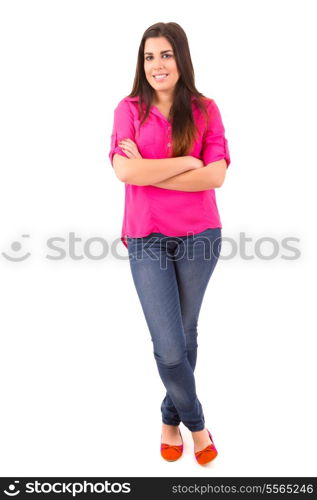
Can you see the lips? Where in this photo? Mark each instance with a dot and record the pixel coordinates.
(160, 76)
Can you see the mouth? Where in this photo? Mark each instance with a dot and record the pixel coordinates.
(160, 77)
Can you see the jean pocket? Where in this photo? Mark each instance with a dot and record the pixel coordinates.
(130, 241)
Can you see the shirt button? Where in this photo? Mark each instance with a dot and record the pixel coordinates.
(168, 144)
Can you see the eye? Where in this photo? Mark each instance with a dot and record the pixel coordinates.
(167, 55)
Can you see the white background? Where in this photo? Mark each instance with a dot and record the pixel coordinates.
(80, 389)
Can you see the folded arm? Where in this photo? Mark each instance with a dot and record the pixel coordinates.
(144, 172)
(208, 177)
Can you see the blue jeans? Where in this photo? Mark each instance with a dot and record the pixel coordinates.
(171, 274)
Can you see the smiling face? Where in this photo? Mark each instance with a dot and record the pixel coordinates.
(159, 59)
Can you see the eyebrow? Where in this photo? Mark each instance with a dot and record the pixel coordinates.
(162, 52)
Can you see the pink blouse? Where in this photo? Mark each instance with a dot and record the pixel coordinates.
(149, 208)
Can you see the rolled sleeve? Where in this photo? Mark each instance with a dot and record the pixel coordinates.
(215, 144)
(123, 128)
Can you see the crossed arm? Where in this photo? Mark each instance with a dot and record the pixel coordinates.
(181, 174)
(207, 177)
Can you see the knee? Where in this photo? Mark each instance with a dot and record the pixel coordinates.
(170, 359)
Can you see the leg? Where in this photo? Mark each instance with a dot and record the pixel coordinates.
(155, 280)
(194, 266)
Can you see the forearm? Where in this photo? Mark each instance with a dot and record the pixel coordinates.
(144, 172)
(200, 179)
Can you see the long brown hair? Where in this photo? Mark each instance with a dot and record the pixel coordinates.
(183, 125)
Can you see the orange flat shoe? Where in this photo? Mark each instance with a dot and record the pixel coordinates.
(206, 454)
(172, 452)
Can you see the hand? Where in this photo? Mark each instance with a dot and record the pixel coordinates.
(130, 148)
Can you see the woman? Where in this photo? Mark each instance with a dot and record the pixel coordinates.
(168, 147)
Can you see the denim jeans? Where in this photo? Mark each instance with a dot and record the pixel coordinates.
(171, 274)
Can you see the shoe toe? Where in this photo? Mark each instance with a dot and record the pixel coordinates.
(208, 453)
(170, 452)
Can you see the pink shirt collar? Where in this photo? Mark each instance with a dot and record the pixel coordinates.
(154, 109)
(136, 98)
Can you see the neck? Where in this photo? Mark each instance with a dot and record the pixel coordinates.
(163, 99)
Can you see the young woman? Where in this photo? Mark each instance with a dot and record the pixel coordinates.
(168, 146)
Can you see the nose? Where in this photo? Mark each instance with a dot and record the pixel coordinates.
(157, 68)
(157, 64)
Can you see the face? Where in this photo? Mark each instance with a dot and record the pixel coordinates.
(159, 58)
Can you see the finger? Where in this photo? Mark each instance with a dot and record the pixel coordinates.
(130, 142)
(126, 148)
(124, 144)
(127, 152)
(131, 148)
